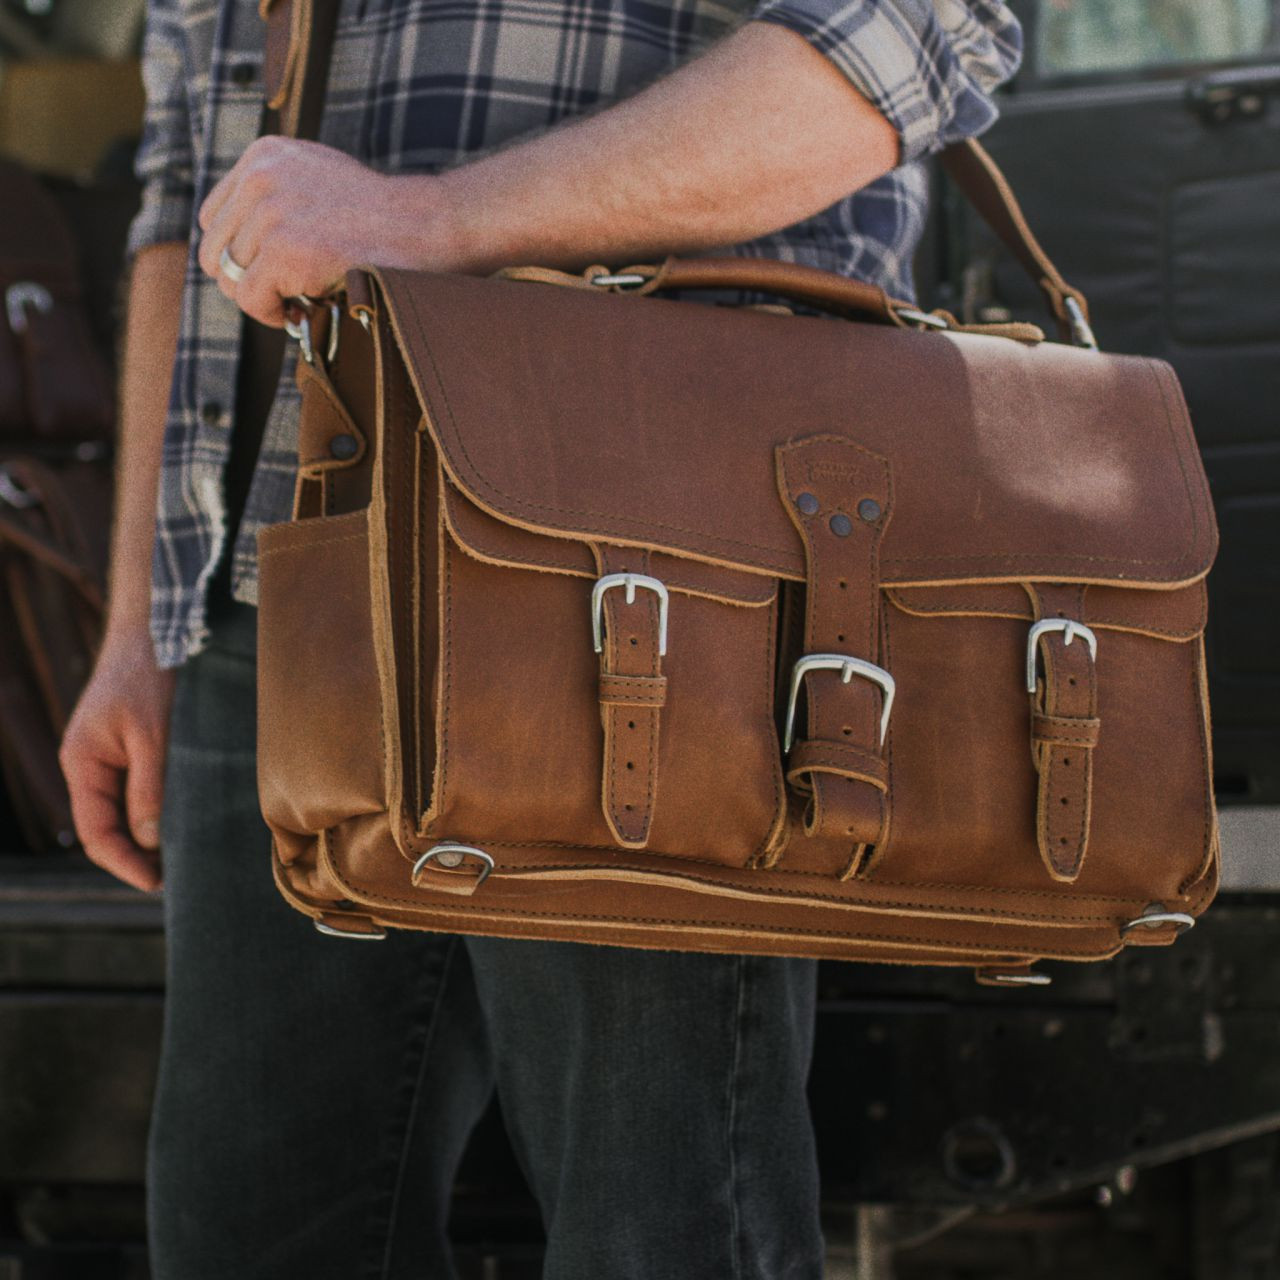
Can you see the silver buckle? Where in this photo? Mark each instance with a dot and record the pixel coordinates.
(1156, 917)
(848, 668)
(451, 855)
(300, 329)
(630, 581)
(18, 297)
(1070, 628)
(620, 280)
(1081, 333)
(910, 315)
(12, 494)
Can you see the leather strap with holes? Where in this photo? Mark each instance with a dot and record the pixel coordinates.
(1064, 732)
(838, 494)
(633, 691)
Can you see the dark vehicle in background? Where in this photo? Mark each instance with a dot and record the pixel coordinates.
(1124, 1121)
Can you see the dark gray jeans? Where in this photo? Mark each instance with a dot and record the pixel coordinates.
(315, 1094)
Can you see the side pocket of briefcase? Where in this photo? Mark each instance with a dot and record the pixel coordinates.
(319, 720)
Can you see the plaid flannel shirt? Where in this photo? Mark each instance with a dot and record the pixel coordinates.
(417, 85)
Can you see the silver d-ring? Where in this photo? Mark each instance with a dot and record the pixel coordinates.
(450, 856)
(1156, 917)
(229, 266)
(1018, 979)
(350, 934)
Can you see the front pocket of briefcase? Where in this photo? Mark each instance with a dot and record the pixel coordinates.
(521, 756)
(319, 753)
(967, 794)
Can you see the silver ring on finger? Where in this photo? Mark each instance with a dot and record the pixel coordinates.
(230, 267)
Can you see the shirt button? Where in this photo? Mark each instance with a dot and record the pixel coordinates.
(244, 73)
(211, 412)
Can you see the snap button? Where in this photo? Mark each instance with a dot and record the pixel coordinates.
(808, 504)
(869, 510)
(841, 525)
(343, 447)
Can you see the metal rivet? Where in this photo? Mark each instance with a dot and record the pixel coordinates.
(808, 504)
(869, 510)
(343, 447)
(841, 525)
(450, 858)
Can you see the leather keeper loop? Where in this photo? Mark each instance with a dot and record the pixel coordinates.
(637, 691)
(835, 758)
(1067, 731)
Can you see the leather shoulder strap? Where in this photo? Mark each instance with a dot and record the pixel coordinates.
(299, 45)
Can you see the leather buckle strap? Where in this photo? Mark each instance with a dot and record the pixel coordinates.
(1064, 725)
(629, 632)
(838, 495)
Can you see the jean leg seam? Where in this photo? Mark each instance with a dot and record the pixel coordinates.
(731, 1116)
(407, 1128)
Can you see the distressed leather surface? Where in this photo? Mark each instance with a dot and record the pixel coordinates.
(429, 674)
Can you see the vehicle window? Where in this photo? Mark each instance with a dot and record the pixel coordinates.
(1075, 37)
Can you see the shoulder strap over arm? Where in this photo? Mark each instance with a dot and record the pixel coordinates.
(296, 71)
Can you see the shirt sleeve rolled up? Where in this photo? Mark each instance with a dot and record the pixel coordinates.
(928, 66)
(164, 163)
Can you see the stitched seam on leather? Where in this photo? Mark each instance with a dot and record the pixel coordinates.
(777, 828)
(1010, 558)
(1180, 635)
(466, 905)
(1206, 838)
(290, 548)
(463, 906)
(485, 554)
(487, 484)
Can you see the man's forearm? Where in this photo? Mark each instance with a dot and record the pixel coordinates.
(150, 344)
(758, 133)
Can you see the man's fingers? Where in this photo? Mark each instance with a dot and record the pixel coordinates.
(258, 296)
(97, 808)
(144, 790)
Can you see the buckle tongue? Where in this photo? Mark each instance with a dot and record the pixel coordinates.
(1070, 628)
(629, 581)
(848, 668)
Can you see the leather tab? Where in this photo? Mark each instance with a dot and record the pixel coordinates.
(1064, 731)
(632, 693)
(839, 497)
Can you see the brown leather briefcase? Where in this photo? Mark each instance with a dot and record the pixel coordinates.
(629, 620)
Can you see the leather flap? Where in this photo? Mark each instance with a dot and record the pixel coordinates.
(1178, 613)
(498, 542)
(600, 417)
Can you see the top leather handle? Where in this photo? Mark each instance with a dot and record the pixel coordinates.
(978, 177)
(299, 42)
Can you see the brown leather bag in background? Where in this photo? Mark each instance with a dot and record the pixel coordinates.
(55, 387)
(54, 523)
(56, 415)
